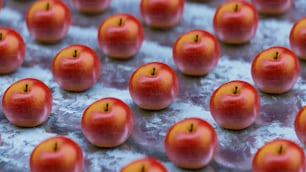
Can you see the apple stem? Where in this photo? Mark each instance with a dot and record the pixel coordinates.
(191, 128)
(55, 148)
(236, 9)
(281, 149)
(120, 21)
(236, 90)
(106, 107)
(48, 6)
(143, 168)
(26, 89)
(196, 39)
(276, 55)
(75, 53)
(153, 71)
(1, 36)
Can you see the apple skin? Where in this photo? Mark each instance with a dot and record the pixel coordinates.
(120, 36)
(235, 105)
(153, 86)
(12, 50)
(297, 38)
(274, 7)
(279, 155)
(146, 164)
(108, 122)
(27, 102)
(299, 125)
(196, 52)
(275, 70)
(91, 7)
(162, 14)
(235, 22)
(76, 68)
(58, 153)
(191, 143)
(48, 21)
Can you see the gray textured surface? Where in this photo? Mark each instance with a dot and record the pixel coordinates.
(236, 148)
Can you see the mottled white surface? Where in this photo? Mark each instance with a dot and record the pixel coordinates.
(236, 148)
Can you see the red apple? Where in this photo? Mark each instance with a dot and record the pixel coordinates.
(27, 102)
(161, 13)
(12, 50)
(300, 125)
(58, 153)
(191, 143)
(76, 67)
(196, 52)
(92, 6)
(235, 22)
(298, 38)
(279, 155)
(120, 36)
(235, 105)
(146, 164)
(275, 70)
(107, 122)
(153, 86)
(273, 7)
(48, 21)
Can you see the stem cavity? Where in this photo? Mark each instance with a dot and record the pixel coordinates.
(143, 168)
(120, 22)
(196, 39)
(281, 149)
(276, 55)
(236, 8)
(48, 6)
(55, 147)
(1, 36)
(106, 109)
(75, 53)
(26, 89)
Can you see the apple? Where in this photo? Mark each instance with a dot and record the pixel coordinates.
(107, 122)
(299, 125)
(153, 86)
(91, 7)
(58, 153)
(235, 22)
(235, 105)
(146, 164)
(191, 143)
(120, 36)
(161, 13)
(27, 102)
(12, 50)
(274, 7)
(297, 38)
(48, 21)
(279, 155)
(196, 52)
(275, 70)
(76, 68)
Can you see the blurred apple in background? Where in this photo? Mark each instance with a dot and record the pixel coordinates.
(12, 50)
(273, 7)
(297, 38)
(235, 105)
(76, 67)
(153, 86)
(275, 70)
(196, 52)
(120, 36)
(161, 14)
(107, 122)
(147, 164)
(91, 6)
(300, 125)
(27, 102)
(57, 153)
(48, 21)
(279, 155)
(235, 22)
(191, 143)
